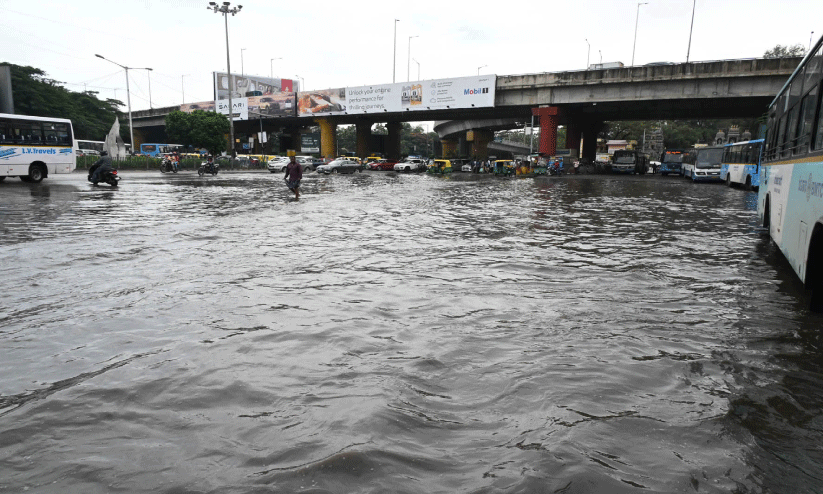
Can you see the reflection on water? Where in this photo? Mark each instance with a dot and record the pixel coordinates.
(400, 333)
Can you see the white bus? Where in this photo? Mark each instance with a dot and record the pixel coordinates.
(790, 200)
(34, 147)
(93, 148)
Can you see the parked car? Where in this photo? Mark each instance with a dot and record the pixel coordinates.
(279, 164)
(382, 164)
(340, 166)
(411, 165)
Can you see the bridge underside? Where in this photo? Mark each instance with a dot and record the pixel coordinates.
(580, 100)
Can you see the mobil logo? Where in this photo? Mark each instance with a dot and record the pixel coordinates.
(479, 90)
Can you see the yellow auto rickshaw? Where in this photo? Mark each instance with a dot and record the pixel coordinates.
(440, 167)
(505, 167)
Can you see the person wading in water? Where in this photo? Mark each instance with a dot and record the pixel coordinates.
(293, 175)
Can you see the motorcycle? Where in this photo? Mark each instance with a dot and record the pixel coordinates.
(168, 165)
(556, 168)
(110, 176)
(208, 167)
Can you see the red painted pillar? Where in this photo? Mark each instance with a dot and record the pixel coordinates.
(549, 118)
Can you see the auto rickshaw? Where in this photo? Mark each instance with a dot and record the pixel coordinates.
(524, 168)
(541, 166)
(505, 167)
(440, 167)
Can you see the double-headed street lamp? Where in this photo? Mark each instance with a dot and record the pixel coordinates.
(225, 10)
(394, 58)
(408, 59)
(128, 94)
(272, 65)
(637, 18)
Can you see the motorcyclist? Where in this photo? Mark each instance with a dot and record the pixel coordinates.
(102, 165)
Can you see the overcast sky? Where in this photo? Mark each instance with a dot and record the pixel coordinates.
(338, 44)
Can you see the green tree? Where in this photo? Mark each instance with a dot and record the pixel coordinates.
(780, 51)
(37, 95)
(200, 129)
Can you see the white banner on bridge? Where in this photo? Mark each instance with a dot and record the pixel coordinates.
(241, 108)
(437, 94)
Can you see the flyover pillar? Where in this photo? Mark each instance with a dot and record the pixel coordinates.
(590, 140)
(480, 140)
(549, 118)
(393, 141)
(573, 134)
(328, 137)
(363, 134)
(449, 148)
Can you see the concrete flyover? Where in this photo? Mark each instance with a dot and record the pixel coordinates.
(582, 100)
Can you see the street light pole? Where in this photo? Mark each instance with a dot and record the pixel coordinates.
(242, 70)
(588, 53)
(183, 85)
(689, 50)
(225, 10)
(418, 68)
(394, 60)
(148, 74)
(478, 68)
(128, 94)
(408, 60)
(272, 65)
(636, 19)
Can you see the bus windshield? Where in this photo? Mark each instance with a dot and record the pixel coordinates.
(670, 157)
(624, 159)
(709, 158)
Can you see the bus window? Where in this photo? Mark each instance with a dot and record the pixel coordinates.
(806, 120)
(818, 140)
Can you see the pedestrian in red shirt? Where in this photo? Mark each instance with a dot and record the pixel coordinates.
(293, 175)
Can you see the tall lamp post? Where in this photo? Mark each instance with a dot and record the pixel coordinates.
(272, 65)
(148, 73)
(588, 52)
(408, 59)
(128, 94)
(394, 60)
(242, 70)
(688, 51)
(637, 18)
(225, 10)
(418, 68)
(183, 85)
(478, 68)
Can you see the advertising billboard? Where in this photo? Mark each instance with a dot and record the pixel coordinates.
(240, 111)
(310, 143)
(250, 85)
(437, 94)
(202, 105)
(327, 101)
(272, 105)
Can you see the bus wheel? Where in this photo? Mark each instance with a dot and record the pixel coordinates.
(2, 178)
(36, 174)
(749, 182)
(728, 180)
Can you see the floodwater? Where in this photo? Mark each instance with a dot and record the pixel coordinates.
(401, 333)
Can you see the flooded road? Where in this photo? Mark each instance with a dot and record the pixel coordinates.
(401, 333)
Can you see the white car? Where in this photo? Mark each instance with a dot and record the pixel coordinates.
(410, 165)
(279, 164)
